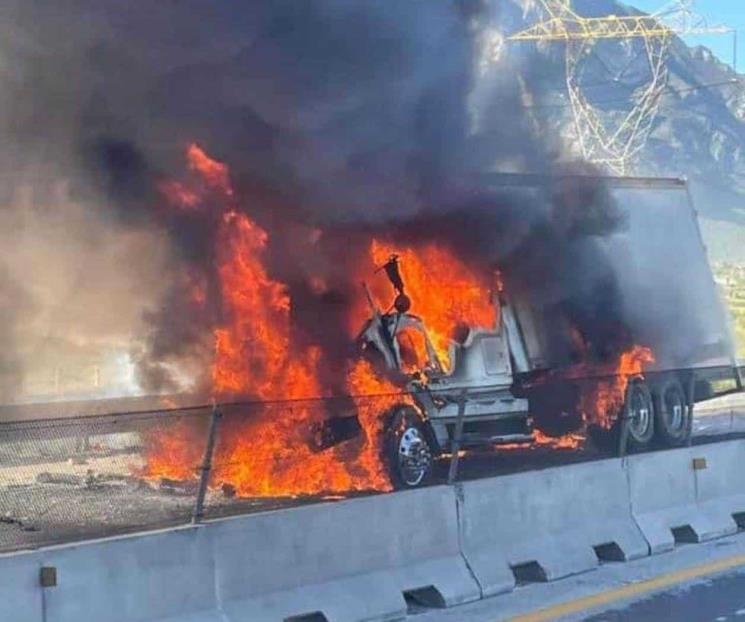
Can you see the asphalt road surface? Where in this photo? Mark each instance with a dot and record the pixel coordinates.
(719, 599)
(693, 583)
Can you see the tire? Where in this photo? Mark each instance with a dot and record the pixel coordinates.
(672, 414)
(409, 451)
(639, 409)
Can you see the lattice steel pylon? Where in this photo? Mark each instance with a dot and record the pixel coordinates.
(615, 148)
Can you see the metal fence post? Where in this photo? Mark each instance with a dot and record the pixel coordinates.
(455, 450)
(623, 437)
(206, 466)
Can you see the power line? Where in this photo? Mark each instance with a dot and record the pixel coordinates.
(614, 147)
(669, 90)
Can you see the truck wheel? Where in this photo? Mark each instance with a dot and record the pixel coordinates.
(408, 449)
(672, 414)
(640, 412)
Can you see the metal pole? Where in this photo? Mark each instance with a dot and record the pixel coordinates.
(455, 455)
(206, 466)
(623, 438)
(691, 403)
(734, 50)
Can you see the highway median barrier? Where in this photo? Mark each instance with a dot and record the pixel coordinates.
(362, 559)
(693, 494)
(156, 576)
(20, 595)
(545, 525)
(342, 562)
(352, 560)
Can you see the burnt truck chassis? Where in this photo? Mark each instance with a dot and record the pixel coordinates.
(495, 394)
(481, 401)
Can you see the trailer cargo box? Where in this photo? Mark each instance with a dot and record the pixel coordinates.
(656, 261)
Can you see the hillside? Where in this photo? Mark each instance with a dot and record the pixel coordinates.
(699, 132)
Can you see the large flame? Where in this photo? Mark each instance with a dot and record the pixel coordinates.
(176, 451)
(270, 448)
(214, 174)
(271, 452)
(252, 348)
(444, 291)
(603, 399)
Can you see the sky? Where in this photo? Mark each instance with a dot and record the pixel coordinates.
(718, 12)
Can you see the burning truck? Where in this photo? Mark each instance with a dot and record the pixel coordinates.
(548, 306)
(505, 382)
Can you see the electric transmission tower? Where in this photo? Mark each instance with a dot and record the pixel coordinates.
(616, 147)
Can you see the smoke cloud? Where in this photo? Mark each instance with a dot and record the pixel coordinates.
(349, 116)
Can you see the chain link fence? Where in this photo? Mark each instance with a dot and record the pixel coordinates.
(85, 477)
(89, 477)
(282, 454)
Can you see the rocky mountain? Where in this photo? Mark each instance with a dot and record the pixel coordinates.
(698, 133)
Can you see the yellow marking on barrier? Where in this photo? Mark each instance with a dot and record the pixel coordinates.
(634, 589)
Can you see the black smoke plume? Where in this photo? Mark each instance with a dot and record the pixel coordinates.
(350, 116)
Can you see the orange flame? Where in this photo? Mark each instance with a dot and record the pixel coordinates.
(443, 290)
(271, 448)
(270, 451)
(568, 441)
(603, 400)
(176, 452)
(215, 174)
(252, 348)
(179, 195)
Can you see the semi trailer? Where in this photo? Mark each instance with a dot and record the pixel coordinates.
(506, 381)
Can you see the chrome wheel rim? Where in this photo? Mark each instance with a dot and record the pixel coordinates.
(640, 416)
(414, 456)
(674, 410)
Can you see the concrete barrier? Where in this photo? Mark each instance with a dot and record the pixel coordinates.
(354, 560)
(159, 576)
(720, 481)
(674, 501)
(548, 524)
(156, 576)
(20, 596)
(348, 561)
